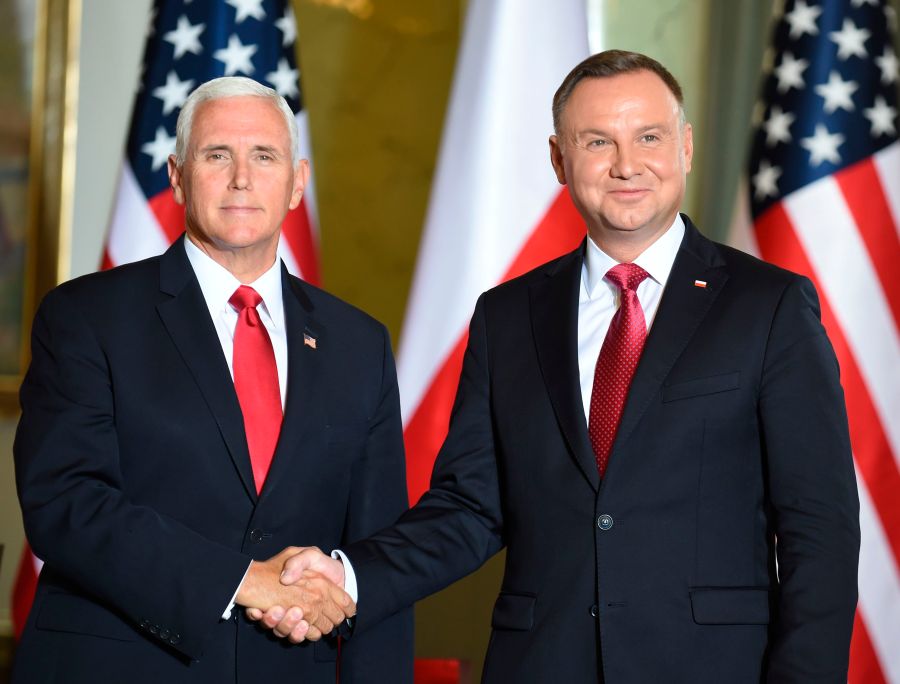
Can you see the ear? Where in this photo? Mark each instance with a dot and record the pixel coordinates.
(175, 180)
(301, 178)
(688, 146)
(556, 159)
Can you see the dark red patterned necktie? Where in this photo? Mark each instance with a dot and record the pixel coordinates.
(618, 358)
(256, 382)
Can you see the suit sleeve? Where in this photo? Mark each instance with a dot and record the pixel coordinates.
(150, 569)
(812, 489)
(377, 498)
(456, 525)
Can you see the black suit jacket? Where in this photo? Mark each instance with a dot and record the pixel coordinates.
(136, 488)
(734, 433)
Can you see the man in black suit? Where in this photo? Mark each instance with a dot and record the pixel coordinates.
(188, 417)
(693, 519)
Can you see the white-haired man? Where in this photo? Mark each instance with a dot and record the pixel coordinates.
(187, 418)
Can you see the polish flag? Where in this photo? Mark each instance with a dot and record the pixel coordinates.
(496, 209)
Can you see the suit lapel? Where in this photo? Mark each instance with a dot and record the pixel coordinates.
(186, 318)
(554, 317)
(682, 308)
(304, 415)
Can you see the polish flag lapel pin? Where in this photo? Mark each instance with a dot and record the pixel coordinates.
(309, 340)
(700, 283)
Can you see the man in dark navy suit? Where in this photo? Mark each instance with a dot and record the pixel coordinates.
(653, 426)
(187, 418)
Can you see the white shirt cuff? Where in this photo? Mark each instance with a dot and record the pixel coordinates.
(349, 575)
(227, 614)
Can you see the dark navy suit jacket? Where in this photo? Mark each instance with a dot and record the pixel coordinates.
(734, 435)
(136, 488)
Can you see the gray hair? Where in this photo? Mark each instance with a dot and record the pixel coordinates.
(230, 86)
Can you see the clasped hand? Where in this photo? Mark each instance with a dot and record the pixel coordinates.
(298, 594)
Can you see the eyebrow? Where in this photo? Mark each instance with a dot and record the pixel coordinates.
(270, 149)
(642, 129)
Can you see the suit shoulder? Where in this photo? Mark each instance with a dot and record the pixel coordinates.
(520, 284)
(102, 287)
(748, 267)
(331, 308)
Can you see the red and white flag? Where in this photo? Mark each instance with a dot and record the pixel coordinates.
(823, 199)
(496, 209)
(188, 43)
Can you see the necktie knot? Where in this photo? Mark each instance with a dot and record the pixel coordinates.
(243, 297)
(626, 276)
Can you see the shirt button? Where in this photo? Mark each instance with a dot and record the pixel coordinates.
(605, 522)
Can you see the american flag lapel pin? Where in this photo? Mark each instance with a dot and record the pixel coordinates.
(309, 340)
(700, 283)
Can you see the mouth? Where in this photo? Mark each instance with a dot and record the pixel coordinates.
(239, 210)
(627, 194)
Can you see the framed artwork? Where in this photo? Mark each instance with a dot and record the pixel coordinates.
(38, 86)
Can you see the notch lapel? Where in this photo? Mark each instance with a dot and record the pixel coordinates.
(554, 318)
(186, 318)
(304, 417)
(682, 308)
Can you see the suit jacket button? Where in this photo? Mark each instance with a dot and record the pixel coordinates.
(595, 611)
(256, 535)
(605, 522)
(145, 623)
(164, 635)
(154, 629)
(174, 639)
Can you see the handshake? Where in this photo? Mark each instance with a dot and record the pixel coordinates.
(298, 594)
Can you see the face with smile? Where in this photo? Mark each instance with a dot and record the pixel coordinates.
(238, 181)
(625, 155)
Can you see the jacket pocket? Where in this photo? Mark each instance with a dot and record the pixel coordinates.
(730, 605)
(697, 388)
(514, 611)
(69, 613)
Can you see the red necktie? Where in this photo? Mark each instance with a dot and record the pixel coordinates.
(256, 382)
(618, 358)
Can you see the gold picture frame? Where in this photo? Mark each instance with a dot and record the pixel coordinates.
(42, 254)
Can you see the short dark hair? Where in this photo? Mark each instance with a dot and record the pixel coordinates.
(611, 63)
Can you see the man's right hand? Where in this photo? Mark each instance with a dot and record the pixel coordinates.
(305, 608)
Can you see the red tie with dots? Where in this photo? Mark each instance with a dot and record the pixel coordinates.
(618, 358)
(256, 382)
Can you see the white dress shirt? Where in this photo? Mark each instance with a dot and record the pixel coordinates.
(598, 299)
(218, 284)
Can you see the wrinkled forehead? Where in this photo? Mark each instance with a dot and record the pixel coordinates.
(240, 114)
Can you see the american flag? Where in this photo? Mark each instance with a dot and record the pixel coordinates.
(824, 194)
(189, 42)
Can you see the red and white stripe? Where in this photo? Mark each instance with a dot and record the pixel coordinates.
(142, 227)
(496, 209)
(843, 231)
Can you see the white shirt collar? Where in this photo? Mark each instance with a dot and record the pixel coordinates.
(218, 284)
(657, 259)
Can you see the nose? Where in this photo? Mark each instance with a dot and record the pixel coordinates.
(240, 178)
(625, 164)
